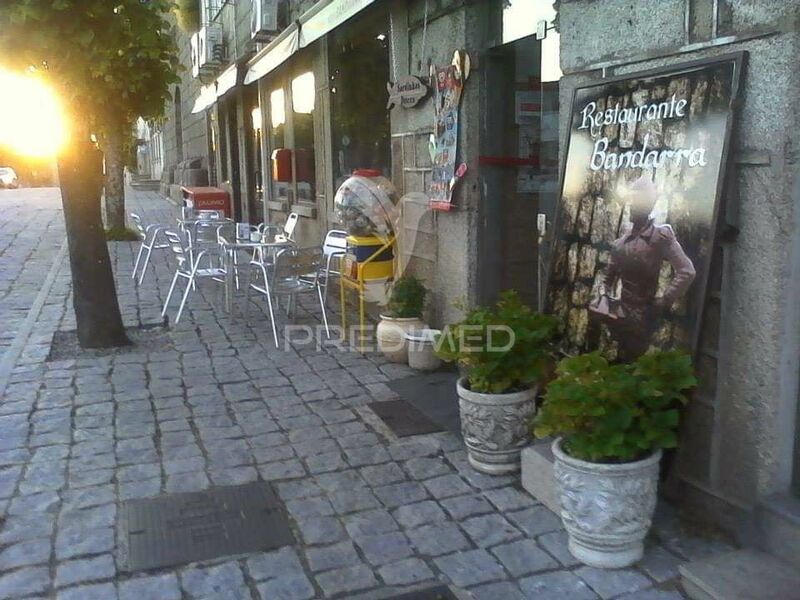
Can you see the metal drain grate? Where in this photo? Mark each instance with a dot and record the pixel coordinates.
(182, 528)
(434, 395)
(403, 419)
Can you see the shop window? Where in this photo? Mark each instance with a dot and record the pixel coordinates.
(281, 166)
(303, 100)
(359, 69)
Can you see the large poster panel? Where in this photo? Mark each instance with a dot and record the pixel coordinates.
(637, 216)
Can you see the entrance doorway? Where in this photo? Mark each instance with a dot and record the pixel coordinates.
(519, 166)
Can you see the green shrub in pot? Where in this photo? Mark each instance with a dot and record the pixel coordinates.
(403, 314)
(505, 351)
(612, 420)
(407, 298)
(519, 364)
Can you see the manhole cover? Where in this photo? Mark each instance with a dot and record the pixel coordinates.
(183, 528)
(403, 419)
(440, 592)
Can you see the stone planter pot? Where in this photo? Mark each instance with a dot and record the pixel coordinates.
(420, 350)
(391, 336)
(607, 509)
(495, 427)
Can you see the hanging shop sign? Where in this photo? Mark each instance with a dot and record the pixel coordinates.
(637, 216)
(406, 92)
(448, 83)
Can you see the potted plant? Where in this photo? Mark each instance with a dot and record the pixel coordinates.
(422, 349)
(505, 352)
(403, 314)
(612, 421)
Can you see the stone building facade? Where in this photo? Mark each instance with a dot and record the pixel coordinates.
(737, 464)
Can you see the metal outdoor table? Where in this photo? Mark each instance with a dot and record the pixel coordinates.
(231, 247)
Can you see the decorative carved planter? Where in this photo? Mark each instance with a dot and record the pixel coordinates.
(607, 509)
(391, 336)
(495, 427)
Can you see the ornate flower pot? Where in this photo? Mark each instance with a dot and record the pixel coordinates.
(607, 509)
(495, 427)
(391, 336)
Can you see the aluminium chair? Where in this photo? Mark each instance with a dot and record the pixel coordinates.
(287, 275)
(333, 248)
(149, 235)
(190, 267)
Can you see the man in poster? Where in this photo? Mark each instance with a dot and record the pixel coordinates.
(636, 260)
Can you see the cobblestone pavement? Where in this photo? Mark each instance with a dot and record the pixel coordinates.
(372, 515)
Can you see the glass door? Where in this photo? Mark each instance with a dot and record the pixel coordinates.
(519, 151)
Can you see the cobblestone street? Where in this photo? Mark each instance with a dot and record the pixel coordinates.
(372, 515)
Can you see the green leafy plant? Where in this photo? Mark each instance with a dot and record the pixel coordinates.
(407, 298)
(616, 412)
(503, 348)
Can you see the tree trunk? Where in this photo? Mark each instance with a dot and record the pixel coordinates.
(94, 293)
(115, 179)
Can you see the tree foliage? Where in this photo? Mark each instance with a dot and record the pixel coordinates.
(616, 413)
(109, 60)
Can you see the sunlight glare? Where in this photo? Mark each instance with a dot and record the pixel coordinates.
(31, 118)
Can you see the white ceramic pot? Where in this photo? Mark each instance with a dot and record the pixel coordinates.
(607, 509)
(391, 336)
(420, 350)
(495, 427)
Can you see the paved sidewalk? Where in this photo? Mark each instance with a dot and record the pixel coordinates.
(372, 515)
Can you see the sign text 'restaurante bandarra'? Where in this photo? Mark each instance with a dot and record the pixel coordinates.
(603, 160)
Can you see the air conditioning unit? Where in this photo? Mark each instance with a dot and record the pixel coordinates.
(208, 50)
(263, 20)
(211, 49)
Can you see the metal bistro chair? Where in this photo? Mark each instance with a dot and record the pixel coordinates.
(204, 235)
(333, 248)
(288, 275)
(290, 226)
(149, 235)
(230, 232)
(188, 267)
(281, 232)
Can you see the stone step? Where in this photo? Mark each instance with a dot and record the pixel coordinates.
(537, 474)
(145, 184)
(740, 575)
(778, 527)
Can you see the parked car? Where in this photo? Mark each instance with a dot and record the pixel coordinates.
(8, 178)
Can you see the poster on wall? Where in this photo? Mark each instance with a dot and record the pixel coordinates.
(640, 196)
(448, 83)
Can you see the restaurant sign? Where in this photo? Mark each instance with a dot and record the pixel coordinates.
(636, 221)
